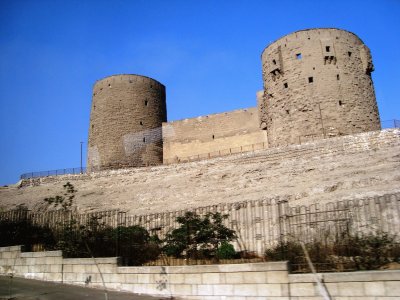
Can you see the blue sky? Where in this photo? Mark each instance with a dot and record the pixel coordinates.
(206, 53)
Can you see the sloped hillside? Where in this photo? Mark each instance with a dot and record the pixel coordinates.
(348, 167)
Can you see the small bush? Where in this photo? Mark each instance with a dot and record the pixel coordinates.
(366, 252)
(226, 251)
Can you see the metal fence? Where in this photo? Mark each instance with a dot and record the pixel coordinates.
(58, 172)
(260, 225)
(390, 124)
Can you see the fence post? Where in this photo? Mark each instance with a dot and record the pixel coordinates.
(281, 224)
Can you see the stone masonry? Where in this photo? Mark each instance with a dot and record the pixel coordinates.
(125, 123)
(317, 84)
(212, 135)
(254, 281)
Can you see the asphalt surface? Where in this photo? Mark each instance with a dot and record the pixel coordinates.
(29, 289)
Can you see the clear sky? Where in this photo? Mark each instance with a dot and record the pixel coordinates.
(206, 53)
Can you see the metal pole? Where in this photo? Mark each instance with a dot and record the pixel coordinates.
(81, 157)
(322, 122)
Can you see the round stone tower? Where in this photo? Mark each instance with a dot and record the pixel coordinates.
(317, 84)
(125, 122)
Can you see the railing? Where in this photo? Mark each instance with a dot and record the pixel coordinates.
(218, 153)
(259, 224)
(58, 172)
(390, 124)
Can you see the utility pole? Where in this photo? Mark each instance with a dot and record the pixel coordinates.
(81, 158)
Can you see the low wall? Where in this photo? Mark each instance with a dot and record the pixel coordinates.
(269, 280)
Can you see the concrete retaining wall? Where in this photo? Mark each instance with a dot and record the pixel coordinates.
(236, 281)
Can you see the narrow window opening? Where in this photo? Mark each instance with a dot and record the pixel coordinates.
(313, 68)
(340, 102)
(310, 79)
(349, 54)
(146, 102)
(109, 85)
(141, 123)
(298, 56)
(328, 48)
(274, 61)
(213, 136)
(144, 140)
(287, 111)
(92, 126)
(337, 77)
(308, 37)
(285, 85)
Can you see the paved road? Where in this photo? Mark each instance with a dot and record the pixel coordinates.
(29, 289)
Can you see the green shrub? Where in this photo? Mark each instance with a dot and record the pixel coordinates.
(364, 252)
(226, 251)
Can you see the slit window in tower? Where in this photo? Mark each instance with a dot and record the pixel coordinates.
(298, 56)
(328, 48)
(337, 77)
(349, 54)
(274, 61)
(213, 136)
(146, 102)
(340, 102)
(141, 123)
(144, 140)
(310, 79)
(285, 85)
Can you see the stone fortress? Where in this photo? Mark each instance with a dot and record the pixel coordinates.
(312, 152)
(313, 138)
(317, 84)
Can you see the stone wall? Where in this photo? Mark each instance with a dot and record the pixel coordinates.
(317, 83)
(125, 122)
(269, 280)
(213, 135)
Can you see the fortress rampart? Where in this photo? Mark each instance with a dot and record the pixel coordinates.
(317, 84)
(212, 133)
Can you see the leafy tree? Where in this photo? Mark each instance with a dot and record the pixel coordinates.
(198, 236)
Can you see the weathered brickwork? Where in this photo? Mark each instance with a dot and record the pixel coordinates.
(317, 83)
(212, 134)
(125, 122)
